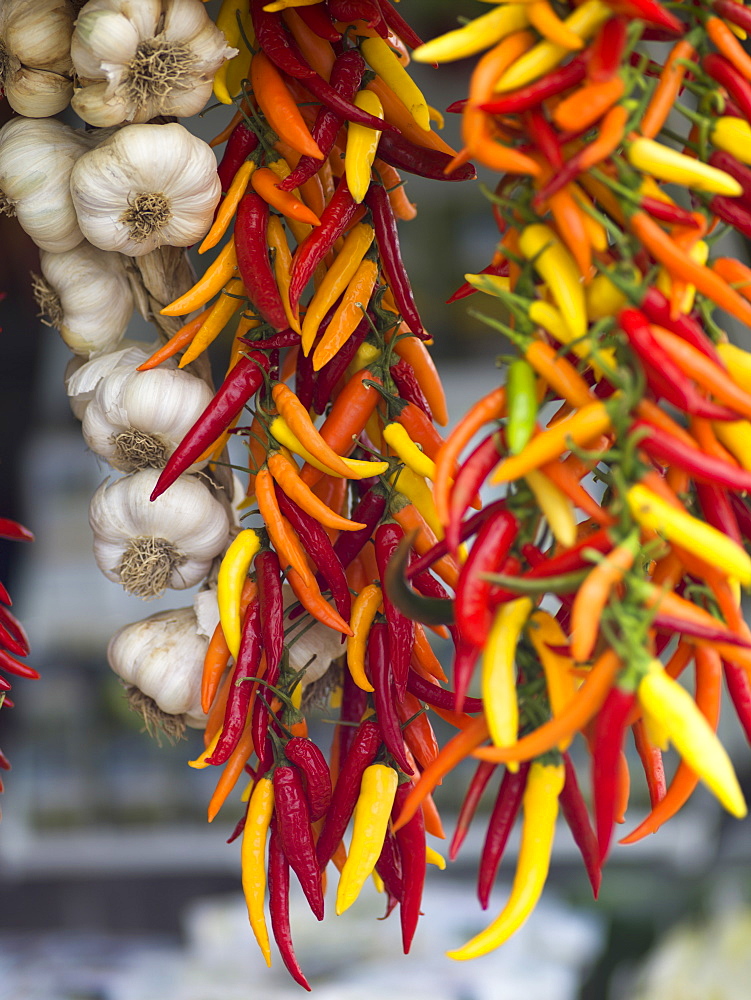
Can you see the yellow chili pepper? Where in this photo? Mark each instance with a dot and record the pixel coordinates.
(226, 21)
(432, 857)
(202, 760)
(669, 165)
(362, 146)
(691, 734)
(680, 527)
(558, 270)
(475, 36)
(229, 584)
(366, 354)
(370, 823)
(544, 631)
(417, 490)
(381, 58)
(396, 435)
(349, 313)
(555, 505)
(284, 4)
(280, 429)
(277, 240)
(738, 363)
(698, 252)
(499, 671)
(580, 428)
(214, 278)
(544, 57)
(338, 276)
(544, 19)
(734, 136)
(540, 811)
(231, 299)
(736, 436)
(252, 850)
(550, 319)
(364, 609)
(226, 211)
(603, 299)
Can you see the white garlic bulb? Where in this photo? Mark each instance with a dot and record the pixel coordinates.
(144, 187)
(161, 658)
(313, 646)
(36, 159)
(35, 63)
(86, 295)
(135, 61)
(82, 376)
(147, 546)
(137, 419)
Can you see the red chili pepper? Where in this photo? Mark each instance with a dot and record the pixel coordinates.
(4, 595)
(346, 76)
(532, 96)
(506, 809)
(287, 338)
(575, 813)
(12, 633)
(742, 514)
(472, 796)
(473, 472)
(242, 382)
(278, 883)
(398, 25)
(420, 429)
(242, 142)
(271, 604)
(304, 379)
(348, 11)
(318, 544)
(723, 71)
(365, 746)
(606, 51)
(389, 867)
(474, 615)
(14, 531)
(651, 758)
(674, 215)
(606, 758)
(739, 689)
(319, 21)
(253, 259)
(664, 388)
(715, 505)
(387, 239)
(467, 529)
(4, 685)
(402, 153)
(725, 161)
(387, 537)
(369, 511)
(736, 215)
(4, 762)
(380, 672)
(406, 382)
(261, 712)
(465, 290)
(327, 379)
(410, 840)
(335, 219)
(315, 771)
(734, 12)
(437, 696)
(651, 12)
(351, 712)
(545, 138)
(701, 466)
(241, 689)
(14, 666)
(293, 824)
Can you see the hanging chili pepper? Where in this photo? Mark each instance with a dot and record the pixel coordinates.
(474, 616)
(369, 511)
(242, 142)
(380, 671)
(438, 697)
(472, 796)
(258, 819)
(409, 388)
(410, 839)
(293, 823)
(575, 813)
(231, 578)
(607, 748)
(278, 881)
(387, 538)
(651, 758)
(502, 818)
(398, 25)
(307, 756)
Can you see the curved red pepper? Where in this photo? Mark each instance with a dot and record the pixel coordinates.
(507, 805)
(253, 259)
(319, 21)
(379, 666)
(473, 472)
(402, 153)
(606, 758)
(293, 824)
(437, 696)
(242, 142)
(575, 813)
(315, 771)
(474, 615)
(401, 630)
(410, 840)
(278, 883)
(478, 784)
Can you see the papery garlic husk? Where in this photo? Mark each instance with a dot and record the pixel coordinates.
(35, 62)
(144, 187)
(36, 160)
(82, 377)
(137, 419)
(312, 646)
(137, 61)
(160, 659)
(86, 295)
(149, 546)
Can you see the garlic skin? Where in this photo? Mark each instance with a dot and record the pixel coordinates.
(86, 295)
(137, 419)
(144, 187)
(162, 656)
(82, 377)
(36, 160)
(147, 546)
(135, 61)
(35, 63)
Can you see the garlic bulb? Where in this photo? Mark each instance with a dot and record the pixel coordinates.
(147, 546)
(36, 159)
(86, 295)
(144, 187)
(82, 377)
(137, 419)
(137, 61)
(313, 646)
(35, 64)
(160, 659)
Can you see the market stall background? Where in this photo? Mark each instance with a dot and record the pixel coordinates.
(111, 882)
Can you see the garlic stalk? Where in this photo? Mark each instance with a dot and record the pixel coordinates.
(144, 187)
(35, 63)
(160, 660)
(36, 160)
(149, 546)
(137, 61)
(86, 295)
(137, 419)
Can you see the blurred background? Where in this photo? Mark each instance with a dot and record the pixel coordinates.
(112, 884)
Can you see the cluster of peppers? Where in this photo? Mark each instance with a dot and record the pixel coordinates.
(612, 556)
(13, 639)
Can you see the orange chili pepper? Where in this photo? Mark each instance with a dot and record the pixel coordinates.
(286, 473)
(231, 299)
(543, 17)
(394, 184)
(415, 353)
(397, 114)
(664, 97)
(584, 107)
(593, 595)
(348, 315)
(607, 141)
(231, 772)
(214, 278)
(312, 600)
(410, 518)
(215, 718)
(424, 660)
(279, 107)
(226, 211)
(285, 540)
(569, 222)
(302, 427)
(565, 477)
(734, 273)
(265, 181)
(726, 42)
(176, 342)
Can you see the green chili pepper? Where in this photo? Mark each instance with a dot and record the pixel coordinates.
(521, 404)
